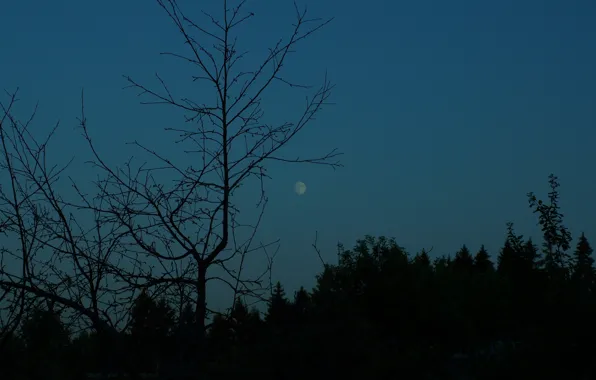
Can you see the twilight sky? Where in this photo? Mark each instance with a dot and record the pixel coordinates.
(448, 112)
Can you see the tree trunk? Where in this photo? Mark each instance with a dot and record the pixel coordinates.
(201, 313)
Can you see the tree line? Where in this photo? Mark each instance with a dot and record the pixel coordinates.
(377, 312)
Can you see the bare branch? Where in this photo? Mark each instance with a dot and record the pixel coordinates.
(179, 223)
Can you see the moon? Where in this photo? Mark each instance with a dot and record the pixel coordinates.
(300, 188)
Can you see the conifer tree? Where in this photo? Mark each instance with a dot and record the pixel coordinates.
(45, 338)
(277, 311)
(463, 260)
(482, 262)
(422, 260)
(151, 325)
(530, 256)
(301, 305)
(582, 269)
(506, 261)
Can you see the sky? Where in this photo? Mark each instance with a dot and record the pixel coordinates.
(447, 112)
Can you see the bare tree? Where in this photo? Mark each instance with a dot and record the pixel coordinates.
(186, 228)
(51, 252)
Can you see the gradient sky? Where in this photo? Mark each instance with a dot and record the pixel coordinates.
(448, 112)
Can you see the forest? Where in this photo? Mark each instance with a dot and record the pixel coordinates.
(378, 312)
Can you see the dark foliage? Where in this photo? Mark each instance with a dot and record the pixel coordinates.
(377, 313)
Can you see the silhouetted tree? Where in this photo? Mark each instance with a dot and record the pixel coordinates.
(12, 355)
(278, 307)
(85, 353)
(463, 260)
(220, 336)
(185, 336)
(482, 262)
(246, 323)
(506, 261)
(231, 146)
(81, 251)
(516, 241)
(150, 329)
(46, 340)
(301, 306)
(376, 313)
(530, 257)
(582, 269)
(442, 264)
(186, 321)
(557, 237)
(583, 311)
(422, 260)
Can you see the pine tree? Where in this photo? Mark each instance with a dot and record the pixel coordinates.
(150, 319)
(583, 281)
(463, 260)
(506, 261)
(151, 325)
(46, 339)
(187, 320)
(243, 322)
(482, 263)
(442, 264)
(582, 269)
(277, 311)
(186, 336)
(301, 305)
(529, 257)
(220, 335)
(421, 260)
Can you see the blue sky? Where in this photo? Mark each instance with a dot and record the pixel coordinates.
(448, 112)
